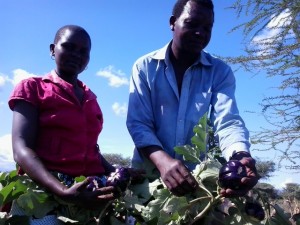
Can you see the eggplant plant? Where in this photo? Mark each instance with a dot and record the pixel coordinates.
(150, 202)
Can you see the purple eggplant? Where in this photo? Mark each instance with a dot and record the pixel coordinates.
(231, 173)
(255, 211)
(120, 178)
(96, 182)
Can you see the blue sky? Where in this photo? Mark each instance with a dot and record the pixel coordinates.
(121, 31)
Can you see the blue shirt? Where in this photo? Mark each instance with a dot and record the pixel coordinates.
(158, 115)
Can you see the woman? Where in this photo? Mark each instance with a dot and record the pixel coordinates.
(56, 123)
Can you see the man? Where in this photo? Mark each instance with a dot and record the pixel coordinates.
(172, 88)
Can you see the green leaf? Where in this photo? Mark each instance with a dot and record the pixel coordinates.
(37, 203)
(175, 205)
(141, 190)
(200, 138)
(211, 174)
(155, 185)
(189, 153)
(6, 193)
(80, 179)
(167, 218)
(192, 153)
(152, 210)
(19, 189)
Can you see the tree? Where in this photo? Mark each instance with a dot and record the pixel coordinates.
(291, 191)
(267, 191)
(265, 168)
(278, 55)
(117, 159)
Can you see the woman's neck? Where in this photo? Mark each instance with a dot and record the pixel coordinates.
(71, 79)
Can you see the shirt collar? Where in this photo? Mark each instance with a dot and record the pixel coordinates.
(54, 78)
(163, 54)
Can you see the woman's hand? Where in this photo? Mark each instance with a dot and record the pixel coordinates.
(81, 195)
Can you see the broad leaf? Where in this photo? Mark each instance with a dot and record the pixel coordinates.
(36, 203)
(189, 153)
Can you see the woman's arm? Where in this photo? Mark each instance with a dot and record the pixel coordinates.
(24, 136)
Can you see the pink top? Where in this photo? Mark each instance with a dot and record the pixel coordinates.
(68, 130)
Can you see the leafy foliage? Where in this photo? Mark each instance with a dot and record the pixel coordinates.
(157, 205)
(149, 203)
(291, 191)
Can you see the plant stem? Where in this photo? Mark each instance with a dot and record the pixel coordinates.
(208, 206)
(198, 199)
(103, 211)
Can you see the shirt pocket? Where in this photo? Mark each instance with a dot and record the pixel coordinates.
(202, 101)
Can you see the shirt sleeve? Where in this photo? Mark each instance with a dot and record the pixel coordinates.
(140, 119)
(229, 126)
(25, 90)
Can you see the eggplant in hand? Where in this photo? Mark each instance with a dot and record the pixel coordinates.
(120, 178)
(231, 174)
(96, 182)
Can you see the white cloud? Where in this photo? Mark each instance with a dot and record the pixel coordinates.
(286, 181)
(115, 77)
(273, 28)
(6, 155)
(120, 110)
(2, 80)
(19, 74)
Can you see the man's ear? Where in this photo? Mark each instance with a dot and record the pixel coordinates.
(172, 22)
(52, 49)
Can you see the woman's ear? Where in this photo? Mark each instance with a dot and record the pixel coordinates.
(172, 22)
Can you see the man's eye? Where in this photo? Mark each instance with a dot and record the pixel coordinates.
(84, 51)
(67, 46)
(208, 28)
(191, 24)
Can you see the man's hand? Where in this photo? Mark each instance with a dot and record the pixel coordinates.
(173, 172)
(247, 182)
(176, 176)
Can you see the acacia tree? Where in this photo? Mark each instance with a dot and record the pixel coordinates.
(117, 159)
(265, 168)
(272, 46)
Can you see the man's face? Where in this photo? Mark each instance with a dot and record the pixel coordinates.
(192, 30)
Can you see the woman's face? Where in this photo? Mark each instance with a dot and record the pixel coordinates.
(72, 52)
